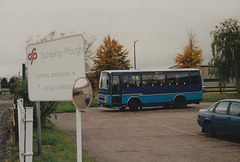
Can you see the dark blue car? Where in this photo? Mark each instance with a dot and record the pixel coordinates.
(222, 117)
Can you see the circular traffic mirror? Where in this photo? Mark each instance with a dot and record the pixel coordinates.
(82, 93)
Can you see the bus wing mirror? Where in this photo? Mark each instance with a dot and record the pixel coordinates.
(82, 93)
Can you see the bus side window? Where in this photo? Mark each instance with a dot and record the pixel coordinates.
(160, 79)
(171, 78)
(184, 78)
(195, 78)
(148, 79)
(131, 80)
(125, 81)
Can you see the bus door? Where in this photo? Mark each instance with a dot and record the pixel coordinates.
(116, 91)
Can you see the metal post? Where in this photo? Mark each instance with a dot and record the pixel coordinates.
(135, 66)
(79, 135)
(39, 127)
(23, 72)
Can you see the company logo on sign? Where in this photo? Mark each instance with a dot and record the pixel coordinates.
(32, 56)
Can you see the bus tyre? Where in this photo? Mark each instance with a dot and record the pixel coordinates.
(134, 104)
(179, 102)
(122, 108)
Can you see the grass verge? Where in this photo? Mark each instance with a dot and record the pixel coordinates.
(214, 97)
(67, 106)
(56, 147)
(1, 95)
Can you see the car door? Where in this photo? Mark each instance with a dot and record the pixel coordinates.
(219, 118)
(233, 119)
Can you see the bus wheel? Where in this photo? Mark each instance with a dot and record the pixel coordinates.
(122, 108)
(179, 102)
(134, 104)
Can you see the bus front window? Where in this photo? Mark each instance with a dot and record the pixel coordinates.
(104, 81)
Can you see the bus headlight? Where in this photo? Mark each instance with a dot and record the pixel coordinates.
(106, 99)
(103, 99)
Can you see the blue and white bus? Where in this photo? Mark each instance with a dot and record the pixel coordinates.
(136, 89)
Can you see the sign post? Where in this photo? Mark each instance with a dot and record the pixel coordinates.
(53, 66)
(39, 130)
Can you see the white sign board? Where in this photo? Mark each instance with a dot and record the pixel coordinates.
(53, 66)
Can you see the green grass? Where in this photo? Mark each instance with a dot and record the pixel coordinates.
(213, 97)
(1, 95)
(67, 106)
(94, 102)
(56, 147)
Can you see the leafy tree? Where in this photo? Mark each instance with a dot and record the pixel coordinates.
(110, 56)
(191, 56)
(4, 83)
(12, 83)
(12, 80)
(225, 64)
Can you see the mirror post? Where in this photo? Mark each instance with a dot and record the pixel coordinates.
(79, 135)
(81, 97)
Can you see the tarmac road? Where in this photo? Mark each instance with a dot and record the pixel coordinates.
(153, 134)
(4, 131)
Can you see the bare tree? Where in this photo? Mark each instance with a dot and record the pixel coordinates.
(88, 44)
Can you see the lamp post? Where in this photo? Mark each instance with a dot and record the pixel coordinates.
(135, 54)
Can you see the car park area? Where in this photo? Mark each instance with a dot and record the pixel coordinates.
(152, 134)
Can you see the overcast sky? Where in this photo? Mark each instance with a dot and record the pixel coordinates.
(160, 26)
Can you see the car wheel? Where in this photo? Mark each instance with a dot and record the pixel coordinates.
(179, 102)
(209, 130)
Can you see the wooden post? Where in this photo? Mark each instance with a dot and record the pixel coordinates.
(16, 124)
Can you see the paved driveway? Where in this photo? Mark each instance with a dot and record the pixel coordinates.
(4, 131)
(154, 134)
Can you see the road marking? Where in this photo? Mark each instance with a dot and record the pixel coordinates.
(178, 130)
(188, 118)
(163, 125)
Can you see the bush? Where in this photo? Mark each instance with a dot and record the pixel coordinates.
(20, 90)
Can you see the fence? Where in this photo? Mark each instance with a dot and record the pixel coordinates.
(220, 89)
(25, 128)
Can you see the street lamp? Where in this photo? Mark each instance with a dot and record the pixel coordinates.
(135, 54)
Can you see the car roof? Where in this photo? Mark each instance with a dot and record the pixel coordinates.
(231, 100)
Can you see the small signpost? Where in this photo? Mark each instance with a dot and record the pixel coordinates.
(53, 67)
